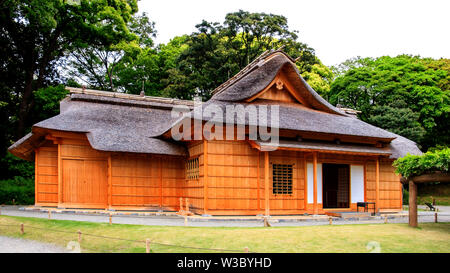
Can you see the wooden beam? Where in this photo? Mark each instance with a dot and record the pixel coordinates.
(205, 176)
(377, 185)
(315, 205)
(266, 183)
(412, 204)
(308, 150)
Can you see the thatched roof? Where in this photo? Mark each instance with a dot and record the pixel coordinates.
(260, 73)
(300, 118)
(130, 123)
(110, 123)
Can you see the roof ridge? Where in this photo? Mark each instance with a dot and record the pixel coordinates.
(249, 68)
(100, 93)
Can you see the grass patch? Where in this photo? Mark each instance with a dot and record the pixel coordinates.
(430, 237)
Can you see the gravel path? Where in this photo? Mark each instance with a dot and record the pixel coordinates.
(18, 245)
(444, 216)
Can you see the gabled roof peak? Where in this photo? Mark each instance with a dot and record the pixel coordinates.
(260, 73)
(257, 62)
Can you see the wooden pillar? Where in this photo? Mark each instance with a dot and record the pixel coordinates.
(377, 185)
(266, 183)
(60, 180)
(305, 168)
(109, 182)
(412, 204)
(315, 207)
(36, 175)
(205, 176)
(365, 181)
(160, 183)
(258, 182)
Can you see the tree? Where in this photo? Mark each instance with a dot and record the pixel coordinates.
(96, 65)
(399, 94)
(35, 34)
(217, 51)
(149, 69)
(319, 77)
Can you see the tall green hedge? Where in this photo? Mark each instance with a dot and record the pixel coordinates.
(18, 190)
(429, 162)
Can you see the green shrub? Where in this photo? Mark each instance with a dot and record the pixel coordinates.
(11, 166)
(405, 197)
(431, 161)
(19, 189)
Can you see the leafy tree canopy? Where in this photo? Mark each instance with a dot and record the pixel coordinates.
(35, 34)
(407, 95)
(431, 161)
(217, 51)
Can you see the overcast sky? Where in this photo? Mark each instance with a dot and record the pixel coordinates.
(337, 30)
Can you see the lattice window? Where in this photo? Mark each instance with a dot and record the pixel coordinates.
(192, 169)
(282, 178)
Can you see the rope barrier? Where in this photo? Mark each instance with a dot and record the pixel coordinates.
(128, 240)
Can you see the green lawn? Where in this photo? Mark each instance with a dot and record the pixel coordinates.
(345, 238)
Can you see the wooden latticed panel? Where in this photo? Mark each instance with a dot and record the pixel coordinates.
(282, 178)
(192, 169)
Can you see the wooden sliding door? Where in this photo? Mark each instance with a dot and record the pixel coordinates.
(85, 183)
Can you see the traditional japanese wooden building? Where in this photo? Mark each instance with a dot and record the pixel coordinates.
(110, 150)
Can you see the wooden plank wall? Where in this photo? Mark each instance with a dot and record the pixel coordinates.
(390, 186)
(135, 181)
(286, 204)
(235, 186)
(232, 178)
(84, 174)
(146, 181)
(173, 177)
(194, 189)
(46, 175)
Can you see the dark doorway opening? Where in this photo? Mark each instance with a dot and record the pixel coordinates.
(336, 185)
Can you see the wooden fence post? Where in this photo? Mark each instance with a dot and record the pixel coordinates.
(246, 249)
(435, 217)
(330, 219)
(22, 231)
(110, 219)
(147, 245)
(79, 236)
